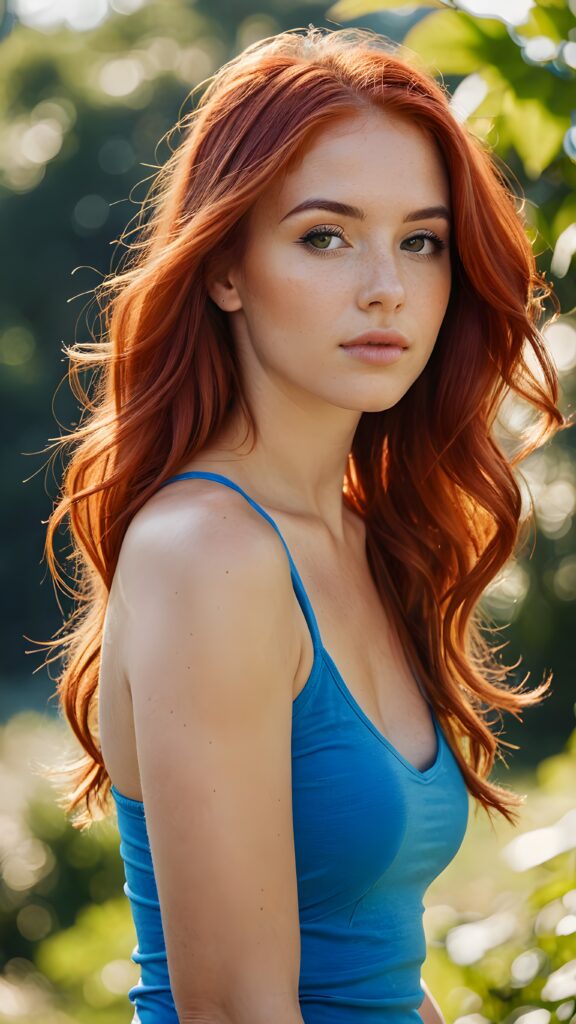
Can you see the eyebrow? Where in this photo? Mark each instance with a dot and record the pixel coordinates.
(345, 210)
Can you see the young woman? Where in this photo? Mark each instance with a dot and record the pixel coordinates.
(287, 501)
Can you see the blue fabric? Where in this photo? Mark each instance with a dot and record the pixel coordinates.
(371, 832)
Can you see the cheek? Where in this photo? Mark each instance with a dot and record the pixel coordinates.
(290, 292)
(431, 295)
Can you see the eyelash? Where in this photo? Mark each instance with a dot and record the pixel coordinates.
(326, 229)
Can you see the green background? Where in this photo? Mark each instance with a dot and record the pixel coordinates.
(84, 110)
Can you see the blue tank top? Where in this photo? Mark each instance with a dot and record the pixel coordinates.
(371, 832)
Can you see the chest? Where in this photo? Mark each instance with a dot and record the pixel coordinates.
(363, 644)
(365, 823)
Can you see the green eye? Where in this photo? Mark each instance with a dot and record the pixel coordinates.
(437, 242)
(323, 235)
(323, 232)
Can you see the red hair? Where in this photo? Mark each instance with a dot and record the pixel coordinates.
(440, 502)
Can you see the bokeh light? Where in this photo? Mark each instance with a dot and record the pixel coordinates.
(542, 844)
(80, 15)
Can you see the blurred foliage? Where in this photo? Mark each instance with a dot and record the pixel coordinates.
(513, 959)
(83, 117)
(496, 945)
(66, 933)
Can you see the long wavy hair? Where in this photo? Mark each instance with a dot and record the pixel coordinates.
(438, 496)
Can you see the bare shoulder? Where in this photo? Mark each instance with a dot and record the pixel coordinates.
(196, 518)
(196, 553)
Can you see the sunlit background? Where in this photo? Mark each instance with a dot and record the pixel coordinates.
(89, 90)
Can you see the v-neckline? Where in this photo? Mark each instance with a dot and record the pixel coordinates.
(427, 773)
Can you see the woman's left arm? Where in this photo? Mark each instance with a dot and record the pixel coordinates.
(429, 1011)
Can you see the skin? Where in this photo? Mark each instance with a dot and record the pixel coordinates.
(292, 305)
(430, 1010)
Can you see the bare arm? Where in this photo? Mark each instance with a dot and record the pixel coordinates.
(211, 650)
(430, 1010)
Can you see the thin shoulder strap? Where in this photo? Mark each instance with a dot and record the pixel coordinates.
(299, 587)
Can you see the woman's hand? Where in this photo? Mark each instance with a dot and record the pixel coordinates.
(429, 1011)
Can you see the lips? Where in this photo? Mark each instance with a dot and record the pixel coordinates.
(382, 337)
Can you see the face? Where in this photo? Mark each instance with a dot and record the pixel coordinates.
(312, 280)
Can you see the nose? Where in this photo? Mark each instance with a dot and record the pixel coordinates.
(381, 284)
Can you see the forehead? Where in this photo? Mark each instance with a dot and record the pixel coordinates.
(374, 159)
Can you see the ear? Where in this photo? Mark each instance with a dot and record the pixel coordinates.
(224, 293)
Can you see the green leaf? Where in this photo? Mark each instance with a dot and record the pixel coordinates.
(450, 42)
(559, 11)
(540, 23)
(536, 133)
(345, 10)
